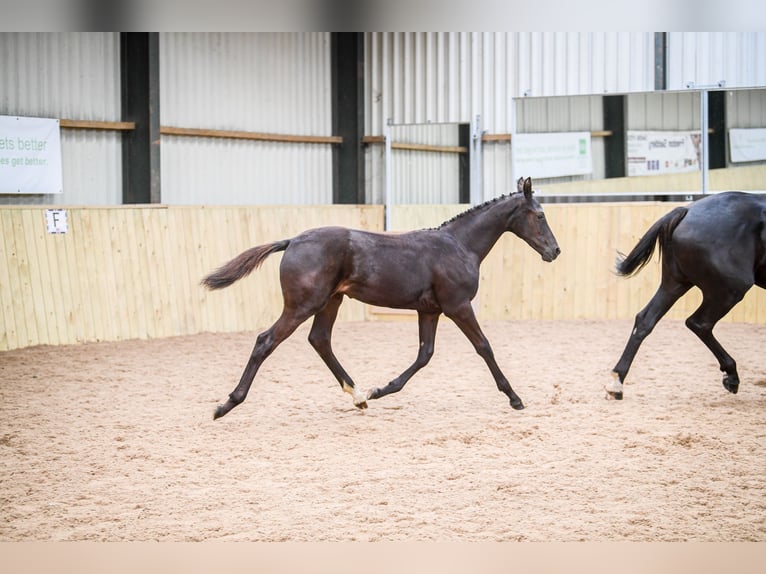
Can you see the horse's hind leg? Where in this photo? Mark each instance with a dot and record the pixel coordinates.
(320, 338)
(264, 346)
(647, 318)
(427, 323)
(465, 319)
(702, 321)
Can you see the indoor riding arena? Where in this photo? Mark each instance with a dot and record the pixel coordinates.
(114, 356)
(113, 439)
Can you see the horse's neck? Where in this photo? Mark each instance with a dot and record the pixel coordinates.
(479, 230)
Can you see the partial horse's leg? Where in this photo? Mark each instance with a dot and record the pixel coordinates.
(320, 338)
(647, 318)
(465, 319)
(264, 346)
(427, 323)
(713, 307)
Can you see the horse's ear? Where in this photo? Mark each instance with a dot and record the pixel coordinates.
(527, 188)
(520, 185)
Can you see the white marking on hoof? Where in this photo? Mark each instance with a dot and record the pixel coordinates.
(359, 397)
(613, 387)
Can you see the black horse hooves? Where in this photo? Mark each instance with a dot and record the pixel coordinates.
(518, 405)
(731, 383)
(221, 410)
(616, 395)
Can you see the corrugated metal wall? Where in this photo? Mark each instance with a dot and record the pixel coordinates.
(746, 108)
(426, 176)
(456, 76)
(68, 76)
(663, 111)
(258, 82)
(705, 58)
(281, 82)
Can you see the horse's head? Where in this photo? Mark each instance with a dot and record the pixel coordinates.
(529, 223)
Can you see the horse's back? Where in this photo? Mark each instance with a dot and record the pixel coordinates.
(723, 234)
(723, 217)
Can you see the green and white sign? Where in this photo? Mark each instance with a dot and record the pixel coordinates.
(30, 155)
(552, 154)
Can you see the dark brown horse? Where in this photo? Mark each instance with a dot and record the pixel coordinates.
(717, 244)
(432, 271)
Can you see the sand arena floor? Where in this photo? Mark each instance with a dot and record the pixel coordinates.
(116, 442)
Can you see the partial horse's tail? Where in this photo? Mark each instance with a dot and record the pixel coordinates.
(242, 265)
(633, 262)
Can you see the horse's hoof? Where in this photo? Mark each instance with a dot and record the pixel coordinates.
(373, 393)
(517, 405)
(614, 388)
(361, 406)
(221, 410)
(731, 383)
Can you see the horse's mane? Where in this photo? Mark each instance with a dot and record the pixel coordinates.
(477, 208)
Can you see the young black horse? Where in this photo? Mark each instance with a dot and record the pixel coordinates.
(432, 271)
(718, 244)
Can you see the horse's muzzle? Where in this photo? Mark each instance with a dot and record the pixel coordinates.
(551, 254)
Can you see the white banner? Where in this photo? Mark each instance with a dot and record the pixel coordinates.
(552, 154)
(747, 144)
(655, 153)
(30, 155)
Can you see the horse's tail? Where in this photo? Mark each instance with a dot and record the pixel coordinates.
(660, 232)
(242, 265)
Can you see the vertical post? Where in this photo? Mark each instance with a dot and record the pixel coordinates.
(513, 145)
(660, 60)
(614, 146)
(387, 187)
(140, 90)
(465, 171)
(704, 139)
(476, 169)
(347, 87)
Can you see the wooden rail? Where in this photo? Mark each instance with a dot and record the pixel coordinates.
(97, 125)
(201, 132)
(487, 138)
(245, 135)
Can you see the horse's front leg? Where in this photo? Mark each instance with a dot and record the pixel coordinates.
(427, 323)
(465, 319)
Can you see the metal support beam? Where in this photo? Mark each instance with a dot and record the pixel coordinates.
(347, 55)
(140, 71)
(614, 146)
(660, 61)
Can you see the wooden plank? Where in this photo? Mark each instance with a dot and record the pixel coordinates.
(20, 290)
(9, 338)
(37, 311)
(487, 138)
(52, 280)
(60, 248)
(94, 287)
(157, 288)
(173, 247)
(121, 269)
(245, 135)
(97, 125)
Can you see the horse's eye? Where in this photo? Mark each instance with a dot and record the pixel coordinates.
(540, 216)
